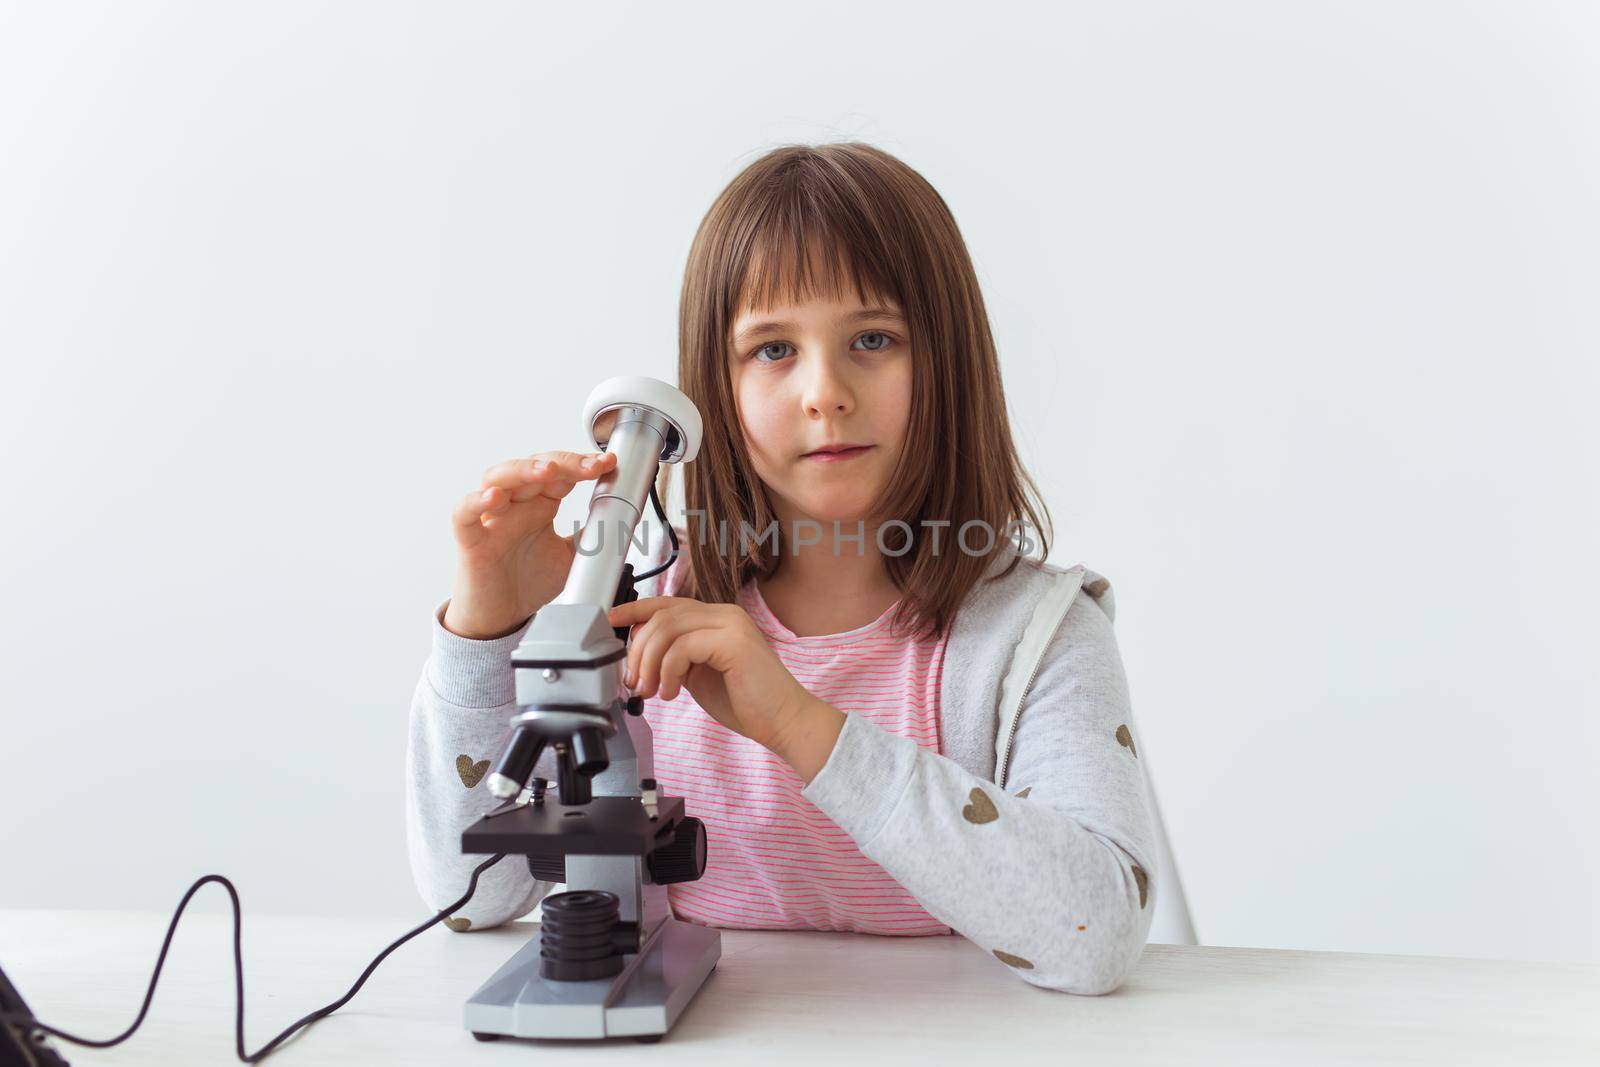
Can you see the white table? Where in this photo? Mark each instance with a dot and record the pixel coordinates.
(807, 998)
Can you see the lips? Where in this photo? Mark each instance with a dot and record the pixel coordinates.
(838, 454)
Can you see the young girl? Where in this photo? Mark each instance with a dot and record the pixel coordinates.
(826, 663)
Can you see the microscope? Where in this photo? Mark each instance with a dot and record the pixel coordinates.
(610, 959)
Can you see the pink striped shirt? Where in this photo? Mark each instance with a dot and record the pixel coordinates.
(774, 860)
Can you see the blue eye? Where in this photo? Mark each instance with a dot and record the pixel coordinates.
(885, 341)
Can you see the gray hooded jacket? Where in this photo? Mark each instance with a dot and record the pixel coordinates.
(1028, 833)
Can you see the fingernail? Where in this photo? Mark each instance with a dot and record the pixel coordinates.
(486, 493)
(588, 463)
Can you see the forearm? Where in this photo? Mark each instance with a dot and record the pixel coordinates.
(1061, 905)
(447, 755)
(460, 712)
(811, 738)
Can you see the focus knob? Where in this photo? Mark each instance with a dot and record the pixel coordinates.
(684, 859)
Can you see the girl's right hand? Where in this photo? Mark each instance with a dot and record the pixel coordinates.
(510, 561)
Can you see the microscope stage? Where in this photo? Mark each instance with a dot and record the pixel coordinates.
(606, 826)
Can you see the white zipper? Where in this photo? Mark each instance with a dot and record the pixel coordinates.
(1016, 717)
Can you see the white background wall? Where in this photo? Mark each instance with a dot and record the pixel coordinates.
(1296, 304)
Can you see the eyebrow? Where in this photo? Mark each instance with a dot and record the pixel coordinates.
(757, 329)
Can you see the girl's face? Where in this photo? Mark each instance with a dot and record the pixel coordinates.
(823, 373)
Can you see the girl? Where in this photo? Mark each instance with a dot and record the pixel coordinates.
(826, 664)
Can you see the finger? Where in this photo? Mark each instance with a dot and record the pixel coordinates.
(554, 478)
(543, 468)
(637, 611)
(656, 637)
(468, 514)
(696, 646)
(663, 610)
(638, 636)
(547, 487)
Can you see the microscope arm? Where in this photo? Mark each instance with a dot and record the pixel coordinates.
(567, 671)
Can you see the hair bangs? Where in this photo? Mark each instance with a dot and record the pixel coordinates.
(806, 246)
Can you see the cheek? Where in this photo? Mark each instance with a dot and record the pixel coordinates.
(893, 402)
(761, 422)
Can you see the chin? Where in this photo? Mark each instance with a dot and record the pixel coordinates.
(827, 510)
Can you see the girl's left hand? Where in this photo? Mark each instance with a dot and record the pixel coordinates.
(718, 654)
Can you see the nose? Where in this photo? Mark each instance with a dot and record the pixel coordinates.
(825, 392)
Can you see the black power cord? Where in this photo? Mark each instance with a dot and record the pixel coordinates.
(28, 1027)
(672, 535)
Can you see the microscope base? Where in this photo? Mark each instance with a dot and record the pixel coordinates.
(643, 1001)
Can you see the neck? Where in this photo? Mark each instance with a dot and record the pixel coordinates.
(827, 587)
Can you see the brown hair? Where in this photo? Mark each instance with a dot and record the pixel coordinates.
(868, 218)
